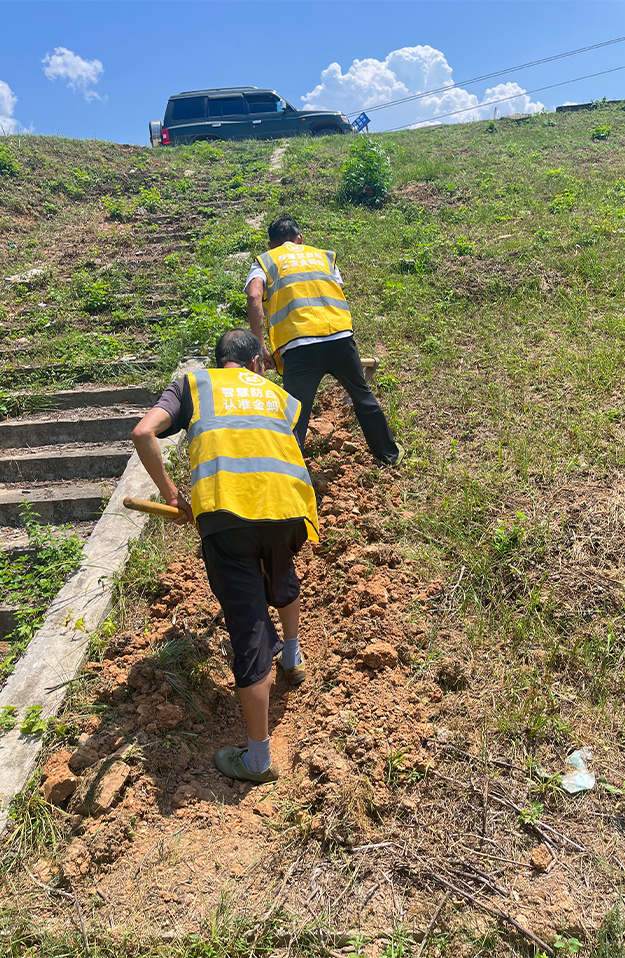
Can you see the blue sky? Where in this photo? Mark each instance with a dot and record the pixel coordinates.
(104, 68)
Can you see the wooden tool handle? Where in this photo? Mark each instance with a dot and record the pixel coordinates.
(153, 508)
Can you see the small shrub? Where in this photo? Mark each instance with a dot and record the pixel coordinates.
(150, 199)
(366, 173)
(8, 164)
(117, 208)
(98, 297)
(601, 132)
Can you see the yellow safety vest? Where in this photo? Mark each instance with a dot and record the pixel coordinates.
(301, 296)
(244, 456)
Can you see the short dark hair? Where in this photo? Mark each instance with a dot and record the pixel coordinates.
(283, 230)
(237, 346)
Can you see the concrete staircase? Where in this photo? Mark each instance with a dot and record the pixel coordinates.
(65, 462)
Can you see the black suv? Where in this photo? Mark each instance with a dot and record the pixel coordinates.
(239, 113)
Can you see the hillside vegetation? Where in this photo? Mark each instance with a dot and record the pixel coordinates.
(491, 285)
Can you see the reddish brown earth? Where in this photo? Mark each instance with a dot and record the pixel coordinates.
(392, 795)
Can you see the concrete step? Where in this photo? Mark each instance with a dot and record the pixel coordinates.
(29, 432)
(47, 464)
(83, 372)
(170, 236)
(83, 396)
(55, 503)
(15, 542)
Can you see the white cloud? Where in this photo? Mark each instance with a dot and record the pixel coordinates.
(8, 123)
(80, 75)
(407, 72)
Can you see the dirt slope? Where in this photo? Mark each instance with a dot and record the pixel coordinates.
(391, 796)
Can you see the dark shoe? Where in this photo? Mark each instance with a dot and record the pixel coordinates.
(399, 458)
(229, 761)
(297, 674)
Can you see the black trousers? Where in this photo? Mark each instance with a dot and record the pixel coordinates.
(304, 368)
(250, 567)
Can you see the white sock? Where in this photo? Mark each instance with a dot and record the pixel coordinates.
(291, 654)
(258, 757)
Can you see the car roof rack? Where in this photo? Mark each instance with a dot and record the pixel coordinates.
(219, 89)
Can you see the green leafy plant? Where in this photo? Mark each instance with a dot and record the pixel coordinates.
(33, 723)
(117, 208)
(530, 813)
(543, 236)
(562, 203)
(98, 296)
(566, 945)
(509, 535)
(601, 132)
(387, 383)
(430, 345)
(150, 198)
(366, 174)
(8, 164)
(463, 246)
(8, 719)
(400, 945)
(35, 578)
(424, 258)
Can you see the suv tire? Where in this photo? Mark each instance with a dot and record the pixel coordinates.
(327, 131)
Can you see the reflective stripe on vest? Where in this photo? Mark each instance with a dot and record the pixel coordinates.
(244, 456)
(302, 297)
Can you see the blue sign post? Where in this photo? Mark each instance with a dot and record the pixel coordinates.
(361, 121)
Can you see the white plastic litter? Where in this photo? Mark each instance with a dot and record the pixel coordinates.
(578, 778)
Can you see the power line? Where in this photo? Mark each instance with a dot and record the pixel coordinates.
(489, 76)
(503, 99)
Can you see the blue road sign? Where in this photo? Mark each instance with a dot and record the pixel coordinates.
(361, 121)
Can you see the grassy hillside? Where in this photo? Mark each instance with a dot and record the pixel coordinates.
(491, 285)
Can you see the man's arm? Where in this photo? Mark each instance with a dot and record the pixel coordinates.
(144, 435)
(256, 317)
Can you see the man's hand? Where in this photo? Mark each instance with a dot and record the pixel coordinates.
(144, 436)
(180, 502)
(268, 362)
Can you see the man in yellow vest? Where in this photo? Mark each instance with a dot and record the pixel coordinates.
(254, 506)
(295, 291)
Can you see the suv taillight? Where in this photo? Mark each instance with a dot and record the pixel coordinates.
(165, 137)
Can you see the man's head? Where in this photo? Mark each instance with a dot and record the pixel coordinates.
(239, 346)
(283, 230)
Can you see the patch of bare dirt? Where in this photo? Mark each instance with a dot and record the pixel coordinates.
(425, 194)
(394, 798)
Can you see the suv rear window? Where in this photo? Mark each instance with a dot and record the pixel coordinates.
(191, 108)
(232, 106)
